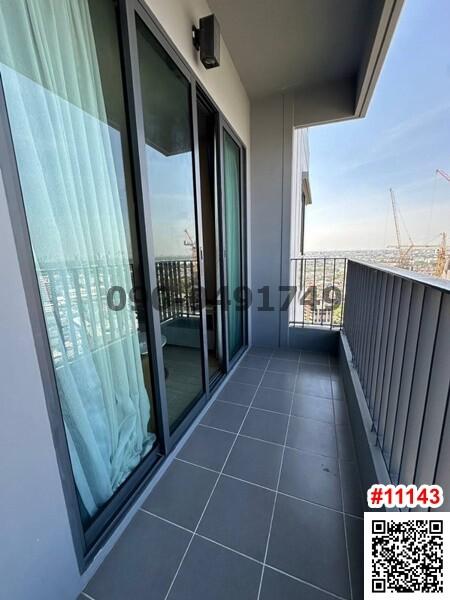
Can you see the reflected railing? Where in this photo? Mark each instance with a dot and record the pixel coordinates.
(87, 304)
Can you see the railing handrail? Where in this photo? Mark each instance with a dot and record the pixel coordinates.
(443, 285)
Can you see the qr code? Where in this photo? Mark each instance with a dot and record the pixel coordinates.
(405, 553)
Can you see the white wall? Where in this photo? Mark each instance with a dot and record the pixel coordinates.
(37, 555)
(38, 559)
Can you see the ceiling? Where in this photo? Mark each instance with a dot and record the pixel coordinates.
(277, 45)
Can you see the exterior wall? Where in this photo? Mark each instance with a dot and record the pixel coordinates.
(38, 558)
(278, 160)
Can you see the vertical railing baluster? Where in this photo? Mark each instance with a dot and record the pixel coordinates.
(323, 292)
(333, 293)
(186, 292)
(344, 292)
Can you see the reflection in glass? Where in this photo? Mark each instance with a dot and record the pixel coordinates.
(206, 124)
(232, 194)
(60, 66)
(166, 99)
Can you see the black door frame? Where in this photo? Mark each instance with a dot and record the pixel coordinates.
(224, 126)
(88, 542)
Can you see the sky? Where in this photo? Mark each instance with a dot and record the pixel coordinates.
(403, 139)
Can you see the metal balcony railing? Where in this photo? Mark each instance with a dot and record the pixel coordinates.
(177, 288)
(319, 292)
(398, 328)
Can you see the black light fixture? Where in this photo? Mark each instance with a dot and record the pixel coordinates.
(206, 38)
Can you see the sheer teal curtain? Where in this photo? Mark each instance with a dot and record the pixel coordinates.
(71, 182)
(233, 242)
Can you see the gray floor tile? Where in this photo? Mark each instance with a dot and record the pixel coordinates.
(145, 558)
(276, 586)
(270, 399)
(355, 543)
(255, 461)
(313, 407)
(335, 373)
(312, 436)
(286, 353)
(181, 494)
(338, 389)
(308, 541)
(260, 351)
(238, 393)
(279, 381)
(341, 413)
(246, 375)
(238, 516)
(265, 425)
(351, 489)
(311, 477)
(207, 447)
(210, 572)
(314, 357)
(314, 369)
(345, 442)
(312, 385)
(225, 415)
(282, 366)
(254, 361)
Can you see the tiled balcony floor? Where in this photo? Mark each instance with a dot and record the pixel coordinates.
(263, 501)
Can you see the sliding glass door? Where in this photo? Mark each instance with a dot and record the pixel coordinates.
(113, 159)
(60, 67)
(232, 210)
(169, 164)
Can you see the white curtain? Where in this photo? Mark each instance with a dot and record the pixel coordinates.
(72, 180)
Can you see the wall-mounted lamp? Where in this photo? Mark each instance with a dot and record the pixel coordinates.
(206, 38)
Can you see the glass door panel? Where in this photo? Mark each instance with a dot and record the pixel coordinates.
(207, 143)
(233, 230)
(166, 100)
(60, 65)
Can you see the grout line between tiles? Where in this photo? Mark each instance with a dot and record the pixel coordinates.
(280, 493)
(255, 560)
(327, 592)
(342, 500)
(337, 457)
(278, 484)
(316, 587)
(210, 495)
(277, 412)
(168, 521)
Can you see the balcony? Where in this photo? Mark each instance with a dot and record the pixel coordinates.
(265, 496)
(266, 480)
(250, 436)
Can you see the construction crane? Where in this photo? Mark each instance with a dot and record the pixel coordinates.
(442, 263)
(190, 242)
(441, 266)
(443, 174)
(403, 251)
